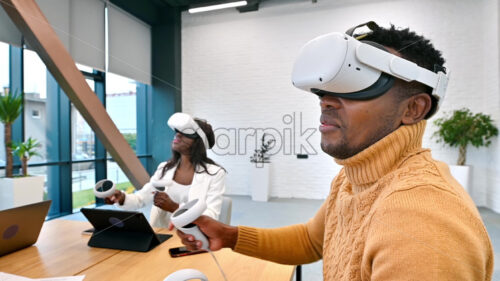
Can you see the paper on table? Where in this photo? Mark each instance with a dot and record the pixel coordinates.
(11, 277)
(66, 278)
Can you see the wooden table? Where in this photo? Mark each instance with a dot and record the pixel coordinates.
(62, 250)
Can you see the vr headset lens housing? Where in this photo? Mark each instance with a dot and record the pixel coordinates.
(183, 123)
(339, 65)
(329, 64)
(191, 136)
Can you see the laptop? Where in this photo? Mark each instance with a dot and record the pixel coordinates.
(20, 226)
(122, 230)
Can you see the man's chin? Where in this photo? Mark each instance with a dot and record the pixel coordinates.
(329, 149)
(337, 152)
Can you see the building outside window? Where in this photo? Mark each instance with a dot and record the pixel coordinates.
(35, 98)
(83, 153)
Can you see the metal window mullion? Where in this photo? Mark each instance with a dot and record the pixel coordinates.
(16, 81)
(66, 177)
(143, 106)
(100, 151)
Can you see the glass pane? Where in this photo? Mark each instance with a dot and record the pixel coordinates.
(118, 177)
(35, 99)
(121, 105)
(40, 171)
(82, 136)
(4, 66)
(4, 84)
(82, 148)
(83, 177)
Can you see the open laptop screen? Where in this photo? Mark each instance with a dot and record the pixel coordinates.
(20, 227)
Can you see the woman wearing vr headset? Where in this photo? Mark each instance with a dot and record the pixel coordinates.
(188, 175)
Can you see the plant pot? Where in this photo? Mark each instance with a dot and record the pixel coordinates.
(20, 191)
(259, 181)
(463, 175)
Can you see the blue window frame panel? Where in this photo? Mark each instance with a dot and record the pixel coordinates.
(59, 178)
(144, 127)
(16, 86)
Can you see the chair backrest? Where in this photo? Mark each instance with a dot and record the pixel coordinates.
(225, 212)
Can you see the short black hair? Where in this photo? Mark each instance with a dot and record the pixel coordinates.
(412, 47)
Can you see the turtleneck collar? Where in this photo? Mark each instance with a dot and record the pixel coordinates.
(369, 165)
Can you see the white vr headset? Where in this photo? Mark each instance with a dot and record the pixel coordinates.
(183, 123)
(339, 65)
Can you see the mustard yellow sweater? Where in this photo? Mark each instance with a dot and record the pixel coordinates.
(393, 213)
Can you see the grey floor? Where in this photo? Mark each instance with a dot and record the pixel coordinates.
(281, 212)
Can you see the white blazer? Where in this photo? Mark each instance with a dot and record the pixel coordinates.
(204, 187)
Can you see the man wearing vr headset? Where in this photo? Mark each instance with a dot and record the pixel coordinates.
(393, 212)
(188, 175)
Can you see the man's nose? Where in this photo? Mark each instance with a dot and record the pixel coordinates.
(329, 102)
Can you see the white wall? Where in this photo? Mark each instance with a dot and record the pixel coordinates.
(236, 73)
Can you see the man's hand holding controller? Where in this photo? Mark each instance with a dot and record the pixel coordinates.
(202, 230)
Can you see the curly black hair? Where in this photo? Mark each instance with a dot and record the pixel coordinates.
(412, 47)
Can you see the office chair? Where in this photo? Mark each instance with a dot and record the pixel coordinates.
(225, 211)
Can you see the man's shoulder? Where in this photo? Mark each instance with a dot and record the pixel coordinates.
(423, 180)
(421, 170)
(429, 211)
(425, 186)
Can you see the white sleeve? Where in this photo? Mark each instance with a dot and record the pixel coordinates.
(214, 194)
(144, 196)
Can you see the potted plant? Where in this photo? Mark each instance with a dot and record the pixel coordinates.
(459, 129)
(260, 174)
(11, 106)
(17, 191)
(26, 150)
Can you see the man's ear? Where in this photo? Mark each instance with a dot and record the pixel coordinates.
(417, 107)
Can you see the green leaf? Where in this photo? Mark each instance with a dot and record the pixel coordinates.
(27, 149)
(10, 107)
(462, 127)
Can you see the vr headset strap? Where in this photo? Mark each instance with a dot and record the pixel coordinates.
(370, 24)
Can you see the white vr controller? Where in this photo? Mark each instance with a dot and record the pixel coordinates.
(183, 219)
(104, 188)
(158, 187)
(185, 275)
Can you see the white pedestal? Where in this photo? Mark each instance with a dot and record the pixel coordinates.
(15, 192)
(463, 175)
(259, 182)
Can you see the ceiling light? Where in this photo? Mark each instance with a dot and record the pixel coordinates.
(217, 7)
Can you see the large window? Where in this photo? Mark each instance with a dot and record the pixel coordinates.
(70, 157)
(82, 153)
(5, 85)
(121, 95)
(4, 66)
(35, 111)
(121, 106)
(82, 136)
(35, 103)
